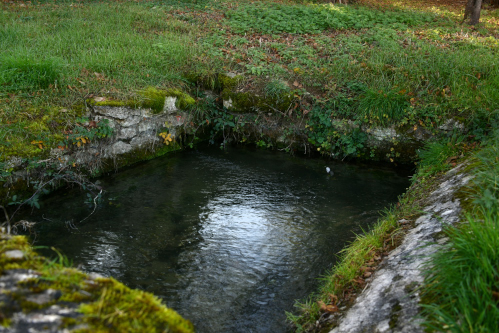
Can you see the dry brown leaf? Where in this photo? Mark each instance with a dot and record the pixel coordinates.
(451, 159)
(330, 308)
(333, 298)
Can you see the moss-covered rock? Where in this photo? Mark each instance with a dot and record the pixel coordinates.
(229, 81)
(88, 303)
(150, 98)
(184, 100)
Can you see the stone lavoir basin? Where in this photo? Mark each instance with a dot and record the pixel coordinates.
(229, 239)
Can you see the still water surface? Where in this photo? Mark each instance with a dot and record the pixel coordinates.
(228, 239)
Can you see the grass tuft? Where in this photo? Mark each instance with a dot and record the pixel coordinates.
(27, 74)
(383, 107)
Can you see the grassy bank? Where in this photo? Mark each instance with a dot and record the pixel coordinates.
(56, 55)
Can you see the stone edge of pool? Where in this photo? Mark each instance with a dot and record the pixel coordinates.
(38, 294)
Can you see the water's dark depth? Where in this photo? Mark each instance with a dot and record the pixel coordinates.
(229, 240)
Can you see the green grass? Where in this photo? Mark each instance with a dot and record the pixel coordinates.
(25, 74)
(129, 45)
(461, 292)
(383, 107)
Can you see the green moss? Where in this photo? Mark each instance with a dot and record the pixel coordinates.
(110, 306)
(184, 100)
(5, 322)
(250, 102)
(394, 315)
(243, 102)
(120, 309)
(79, 109)
(111, 103)
(153, 99)
(207, 81)
(228, 82)
(16, 243)
(68, 322)
(150, 98)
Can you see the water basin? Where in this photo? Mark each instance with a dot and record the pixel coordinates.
(228, 239)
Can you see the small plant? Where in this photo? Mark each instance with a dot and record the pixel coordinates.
(276, 88)
(167, 137)
(434, 157)
(85, 131)
(301, 19)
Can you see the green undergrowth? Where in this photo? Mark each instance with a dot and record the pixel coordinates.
(106, 305)
(279, 18)
(461, 292)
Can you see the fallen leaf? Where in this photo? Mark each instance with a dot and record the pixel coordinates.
(451, 159)
(296, 84)
(99, 99)
(327, 308)
(359, 281)
(367, 274)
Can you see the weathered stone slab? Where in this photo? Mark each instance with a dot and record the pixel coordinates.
(390, 303)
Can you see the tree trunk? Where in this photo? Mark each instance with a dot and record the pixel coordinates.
(472, 11)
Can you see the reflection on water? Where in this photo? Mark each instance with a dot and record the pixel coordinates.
(229, 240)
